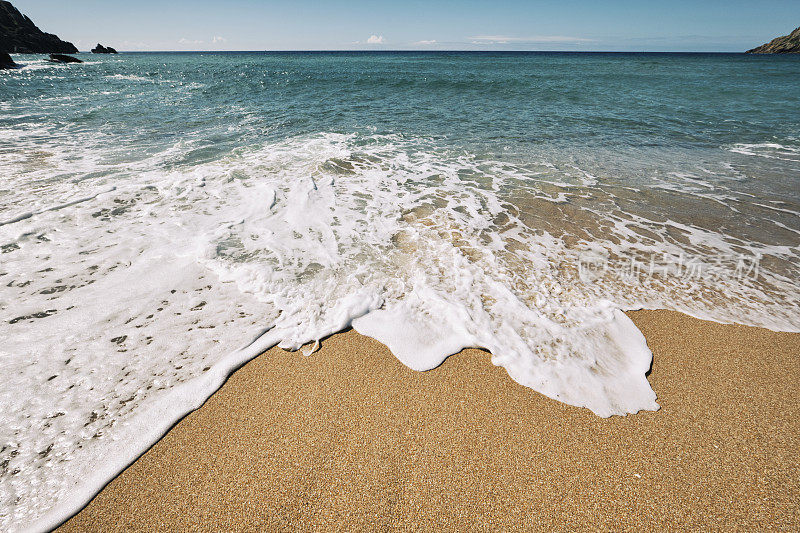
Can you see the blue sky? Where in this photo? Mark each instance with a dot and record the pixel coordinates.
(625, 25)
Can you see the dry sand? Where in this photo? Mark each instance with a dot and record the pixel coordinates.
(350, 439)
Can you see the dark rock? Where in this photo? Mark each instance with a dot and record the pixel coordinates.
(6, 61)
(100, 49)
(18, 34)
(61, 58)
(788, 44)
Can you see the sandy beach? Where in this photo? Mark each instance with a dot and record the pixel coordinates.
(349, 439)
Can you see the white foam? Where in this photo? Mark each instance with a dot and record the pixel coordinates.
(768, 150)
(122, 309)
(420, 343)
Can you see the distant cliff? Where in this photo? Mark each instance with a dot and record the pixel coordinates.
(18, 34)
(788, 44)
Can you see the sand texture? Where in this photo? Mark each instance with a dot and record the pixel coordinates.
(350, 439)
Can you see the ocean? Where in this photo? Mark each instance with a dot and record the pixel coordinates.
(165, 217)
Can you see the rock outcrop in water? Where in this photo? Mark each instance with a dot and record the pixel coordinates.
(61, 58)
(100, 49)
(788, 44)
(6, 61)
(18, 34)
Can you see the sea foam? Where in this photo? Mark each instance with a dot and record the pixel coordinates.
(126, 301)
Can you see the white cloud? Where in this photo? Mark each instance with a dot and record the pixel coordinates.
(376, 39)
(424, 43)
(505, 39)
(184, 40)
(218, 39)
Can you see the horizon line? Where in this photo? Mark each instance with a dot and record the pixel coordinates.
(346, 50)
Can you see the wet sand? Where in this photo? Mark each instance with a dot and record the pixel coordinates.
(349, 438)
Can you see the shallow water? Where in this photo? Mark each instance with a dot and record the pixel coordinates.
(164, 217)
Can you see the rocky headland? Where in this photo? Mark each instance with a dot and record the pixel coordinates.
(788, 44)
(19, 35)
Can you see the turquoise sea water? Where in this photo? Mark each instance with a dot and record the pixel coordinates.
(164, 217)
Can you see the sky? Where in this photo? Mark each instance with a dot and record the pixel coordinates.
(577, 25)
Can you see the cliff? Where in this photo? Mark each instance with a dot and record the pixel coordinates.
(18, 34)
(788, 44)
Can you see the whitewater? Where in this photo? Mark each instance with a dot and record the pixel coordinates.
(160, 226)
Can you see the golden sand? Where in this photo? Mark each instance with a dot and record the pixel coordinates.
(351, 439)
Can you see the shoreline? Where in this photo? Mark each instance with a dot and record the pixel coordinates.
(350, 437)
